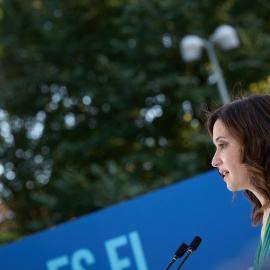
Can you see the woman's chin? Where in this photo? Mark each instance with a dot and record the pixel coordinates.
(232, 188)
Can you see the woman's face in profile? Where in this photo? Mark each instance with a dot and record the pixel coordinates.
(227, 159)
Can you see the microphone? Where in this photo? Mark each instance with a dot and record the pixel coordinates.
(192, 247)
(178, 253)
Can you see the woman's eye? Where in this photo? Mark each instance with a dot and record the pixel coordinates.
(222, 145)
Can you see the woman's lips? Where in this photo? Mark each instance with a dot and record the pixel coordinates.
(224, 175)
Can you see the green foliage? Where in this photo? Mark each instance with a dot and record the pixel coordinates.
(97, 105)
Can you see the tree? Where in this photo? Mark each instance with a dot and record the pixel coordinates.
(97, 106)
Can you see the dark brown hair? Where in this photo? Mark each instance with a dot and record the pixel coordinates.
(248, 120)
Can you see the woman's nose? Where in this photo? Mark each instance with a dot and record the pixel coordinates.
(216, 161)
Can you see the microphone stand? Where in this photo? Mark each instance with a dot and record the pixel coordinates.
(171, 263)
(178, 254)
(180, 265)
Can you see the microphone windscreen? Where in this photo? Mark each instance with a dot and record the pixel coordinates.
(195, 243)
(181, 250)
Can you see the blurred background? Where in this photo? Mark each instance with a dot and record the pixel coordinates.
(97, 105)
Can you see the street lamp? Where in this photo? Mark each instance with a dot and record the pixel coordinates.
(226, 38)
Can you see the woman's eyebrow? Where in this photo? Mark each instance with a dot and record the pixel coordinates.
(220, 137)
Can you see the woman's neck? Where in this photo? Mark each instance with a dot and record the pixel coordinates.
(258, 196)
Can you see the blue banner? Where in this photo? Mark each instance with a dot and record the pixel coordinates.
(143, 233)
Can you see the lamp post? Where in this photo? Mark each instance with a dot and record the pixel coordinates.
(191, 49)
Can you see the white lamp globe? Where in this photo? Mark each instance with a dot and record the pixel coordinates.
(191, 48)
(226, 37)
